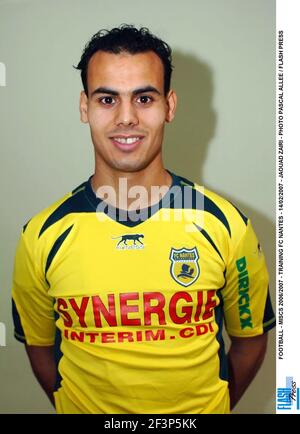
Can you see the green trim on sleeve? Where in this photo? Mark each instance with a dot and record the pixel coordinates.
(20, 338)
(269, 325)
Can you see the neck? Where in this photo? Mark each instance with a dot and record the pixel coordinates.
(133, 190)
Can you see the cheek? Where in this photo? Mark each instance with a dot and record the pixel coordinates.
(98, 120)
(154, 120)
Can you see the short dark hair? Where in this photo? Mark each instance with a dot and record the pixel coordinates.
(127, 38)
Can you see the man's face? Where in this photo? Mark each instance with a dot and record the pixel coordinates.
(126, 108)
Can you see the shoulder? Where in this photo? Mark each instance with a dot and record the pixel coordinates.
(71, 202)
(222, 212)
(230, 209)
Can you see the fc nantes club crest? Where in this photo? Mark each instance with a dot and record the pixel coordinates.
(184, 268)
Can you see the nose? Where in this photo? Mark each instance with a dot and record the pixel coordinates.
(126, 114)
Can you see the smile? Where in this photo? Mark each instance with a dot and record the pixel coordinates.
(127, 144)
(127, 140)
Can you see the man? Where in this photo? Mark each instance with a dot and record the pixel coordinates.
(120, 302)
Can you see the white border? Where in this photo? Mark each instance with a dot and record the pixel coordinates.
(288, 16)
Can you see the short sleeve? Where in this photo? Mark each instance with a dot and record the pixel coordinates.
(32, 307)
(247, 305)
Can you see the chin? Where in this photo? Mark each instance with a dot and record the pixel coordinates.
(130, 166)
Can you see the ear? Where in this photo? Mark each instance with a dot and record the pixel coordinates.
(171, 105)
(83, 107)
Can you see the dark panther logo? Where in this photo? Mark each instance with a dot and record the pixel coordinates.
(132, 237)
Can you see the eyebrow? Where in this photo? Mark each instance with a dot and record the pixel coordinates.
(113, 92)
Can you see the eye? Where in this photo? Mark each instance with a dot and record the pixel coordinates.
(145, 99)
(107, 100)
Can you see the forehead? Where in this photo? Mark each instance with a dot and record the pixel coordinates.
(125, 71)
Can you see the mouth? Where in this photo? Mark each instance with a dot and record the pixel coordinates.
(127, 143)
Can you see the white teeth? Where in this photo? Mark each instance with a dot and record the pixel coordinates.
(127, 141)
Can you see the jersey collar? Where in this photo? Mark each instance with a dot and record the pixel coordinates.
(131, 218)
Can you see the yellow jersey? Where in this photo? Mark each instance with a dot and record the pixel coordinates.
(135, 303)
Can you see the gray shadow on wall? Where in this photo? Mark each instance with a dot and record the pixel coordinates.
(188, 137)
(186, 143)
